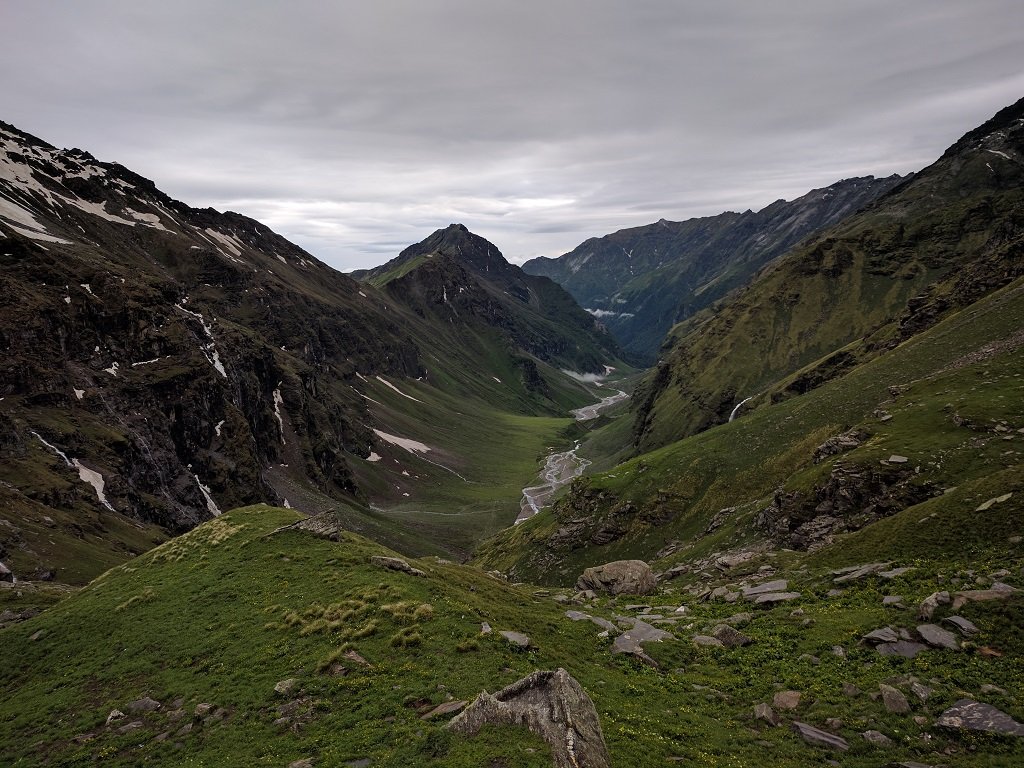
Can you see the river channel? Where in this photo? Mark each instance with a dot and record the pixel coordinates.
(563, 467)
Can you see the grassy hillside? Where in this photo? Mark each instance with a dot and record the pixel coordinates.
(948, 400)
(209, 624)
(932, 245)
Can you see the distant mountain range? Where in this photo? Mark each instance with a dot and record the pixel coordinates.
(642, 281)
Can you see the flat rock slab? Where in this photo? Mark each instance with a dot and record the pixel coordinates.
(894, 573)
(517, 639)
(820, 738)
(997, 591)
(938, 637)
(145, 704)
(706, 641)
(976, 716)
(447, 708)
(908, 649)
(771, 598)
(861, 572)
(602, 623)
(779, 585)
(965, 626)
(633, 638)
(883, 635)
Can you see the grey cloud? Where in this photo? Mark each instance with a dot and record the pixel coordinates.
(357, 128)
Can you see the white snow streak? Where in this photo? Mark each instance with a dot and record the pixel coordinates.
(86, 475)
(392, 386)
(278, 402)
(413, 446)
(211, 505)
(209, 350)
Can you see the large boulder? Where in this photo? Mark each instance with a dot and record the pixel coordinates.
(550, 704)
(622, 577)
(5, 573)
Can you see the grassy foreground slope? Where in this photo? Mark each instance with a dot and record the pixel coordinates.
(209, 624)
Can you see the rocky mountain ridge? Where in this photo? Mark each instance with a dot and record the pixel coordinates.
(643, 280)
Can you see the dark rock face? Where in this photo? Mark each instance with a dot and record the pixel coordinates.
(849, 499)
(622, 577)
(550, 704)
(176, 352)
(641, 281)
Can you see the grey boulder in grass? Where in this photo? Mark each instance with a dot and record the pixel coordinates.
(621, 577)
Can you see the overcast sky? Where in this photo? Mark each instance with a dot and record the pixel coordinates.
(357, 128)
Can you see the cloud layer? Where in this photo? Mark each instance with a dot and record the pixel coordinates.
(355, 129)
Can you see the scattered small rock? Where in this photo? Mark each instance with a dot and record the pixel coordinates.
(517, 639)
(485, 628)
(285, 687)
(202, 710)
(894, 699)
(129, 727)
(989, 688)
(786, 700)
(931, 603)
(306, 762)
(766, 713)
(115, 715)
(730, 637)
(921, 691)
(706, 641)
(905, 648)
(396, 564)
(883, 635)
(877, 738)
(144, 704)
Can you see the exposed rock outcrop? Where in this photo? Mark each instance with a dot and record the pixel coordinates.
(550, 704)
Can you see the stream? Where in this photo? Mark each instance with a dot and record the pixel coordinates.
(563, 467)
